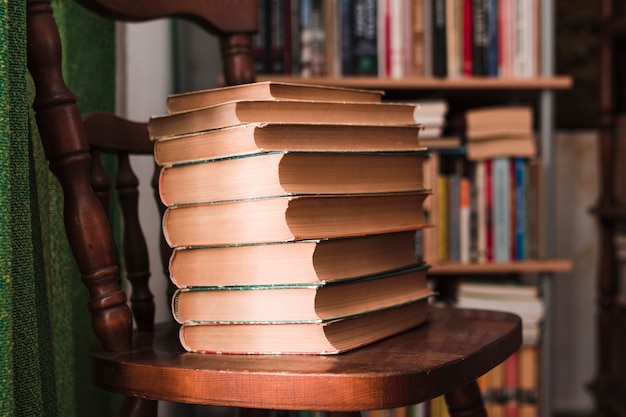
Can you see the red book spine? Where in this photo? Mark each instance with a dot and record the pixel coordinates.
(467, 38)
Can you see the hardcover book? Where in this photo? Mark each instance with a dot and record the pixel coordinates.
(280, 111)
(268, 90)
(306, 302)
(320, 338)
(303, 261)
(292, 218)
(290, 173)
(270, 137)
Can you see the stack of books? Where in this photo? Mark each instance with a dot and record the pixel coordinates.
(292, 211)
(495, 132)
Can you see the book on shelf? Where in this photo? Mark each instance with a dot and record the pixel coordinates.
(520, 299)
(523, 146)
(396, 39)
(324, 337)
(501, 207)
(268, 90)
(313, 39)
(528, 385)
(439, 38)
(511, 388)
(280, 111)
(498, 121)
(290, 173)
(454, 38)
(292, 218)
(496, 132)
(302, 261)
(305, 302)
(254, 138)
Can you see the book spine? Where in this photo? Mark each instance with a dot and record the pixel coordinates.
(397, 40)
(382, 22)
(480, 38)
(453, 217)
(347, 24)
(276, 25)
(492, 30)
(488, 210)
(259, 40)
(520, 209)
(481, 214)
(511, 384)
(467, 38)
(294, 27)
(365, 37)
(313, 49)
(501, 210)
(417, 21)
(464, 220)
(440, 59)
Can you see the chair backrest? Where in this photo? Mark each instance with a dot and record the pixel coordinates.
(71, 146)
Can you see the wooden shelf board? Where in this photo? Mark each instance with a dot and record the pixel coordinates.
(538, 266)
(421, 83)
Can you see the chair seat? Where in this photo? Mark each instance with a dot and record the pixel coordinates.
(452, 349)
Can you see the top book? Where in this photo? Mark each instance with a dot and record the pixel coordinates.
(234, 113)
(268, 90)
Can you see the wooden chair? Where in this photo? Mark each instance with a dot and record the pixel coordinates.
(146, 365)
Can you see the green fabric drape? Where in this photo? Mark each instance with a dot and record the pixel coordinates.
(44, 324)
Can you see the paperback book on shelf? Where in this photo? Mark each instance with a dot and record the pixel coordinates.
(293, 216)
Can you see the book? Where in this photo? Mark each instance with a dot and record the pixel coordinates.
(302, 261)
(498, 121)
(290, 173)
(269, 137)
(306, 302)
(439, 38)
(267, 90)
(467, 38)
(529, 362)
(511, 385)
(505, 146)
(365, 37)
(454, 38)
(464, 220)
(502, 227)
(417, 34)
(495, 132)
(324, 337)
(313, 39)
(481, 211)
(280, 111)
(520, 299)
(292, 218)
(480, 37)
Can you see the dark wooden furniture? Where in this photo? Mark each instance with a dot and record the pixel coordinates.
(146, 365)
(609, 384)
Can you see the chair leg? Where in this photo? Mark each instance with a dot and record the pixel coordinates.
(139, 407)
(466, 402)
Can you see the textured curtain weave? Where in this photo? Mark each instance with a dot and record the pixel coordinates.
(44, 324)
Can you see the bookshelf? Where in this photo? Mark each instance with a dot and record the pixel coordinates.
(610, 212)
(538, 91)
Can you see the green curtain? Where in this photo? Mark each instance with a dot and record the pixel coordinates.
(44, 324)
